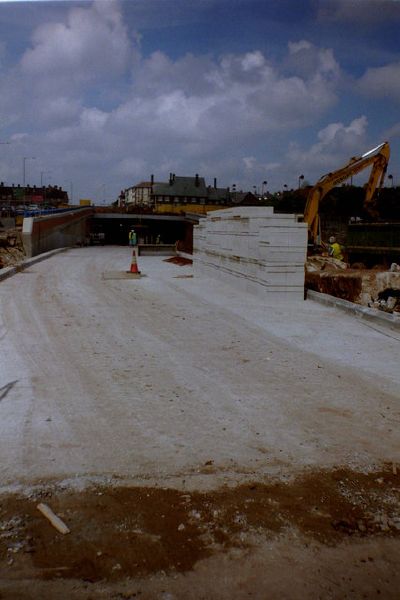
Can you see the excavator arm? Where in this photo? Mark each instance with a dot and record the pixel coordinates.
(377, 157)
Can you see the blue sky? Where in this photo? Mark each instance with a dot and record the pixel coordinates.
(105, 93)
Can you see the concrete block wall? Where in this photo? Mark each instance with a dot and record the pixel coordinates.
(254, 249)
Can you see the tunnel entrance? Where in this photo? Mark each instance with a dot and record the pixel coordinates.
(113, 229)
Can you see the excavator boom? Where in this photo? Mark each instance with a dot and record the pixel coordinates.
(377, 157)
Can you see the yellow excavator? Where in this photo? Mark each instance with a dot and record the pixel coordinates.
(377, 157)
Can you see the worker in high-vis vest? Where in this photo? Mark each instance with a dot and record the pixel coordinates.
(132, 238)
(335, 249)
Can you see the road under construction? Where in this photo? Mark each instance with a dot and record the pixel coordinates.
(194, 440)
(191, 426)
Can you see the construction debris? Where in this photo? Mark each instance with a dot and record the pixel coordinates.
(179, 260)
(11, 248)
(324, 263)
(375, 288)
(52, 517)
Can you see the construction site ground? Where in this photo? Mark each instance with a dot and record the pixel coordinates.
(198, 442)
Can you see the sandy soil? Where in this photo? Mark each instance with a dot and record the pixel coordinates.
(198, 443)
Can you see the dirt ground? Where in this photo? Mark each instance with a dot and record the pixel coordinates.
(196, 443)
(159, 535)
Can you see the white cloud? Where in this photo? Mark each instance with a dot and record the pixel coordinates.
(335, 144)
(381, 82)
(92, 119)
(308, 61)
(335, 141)
(295, 47)
(250, 162)
(93, 42)
(339, 134)
(183, 114)
(239, 94)
(393, 131)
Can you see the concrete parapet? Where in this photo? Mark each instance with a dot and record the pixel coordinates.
(6, 272)
(363, 312)
(254, 249)
(43, 233)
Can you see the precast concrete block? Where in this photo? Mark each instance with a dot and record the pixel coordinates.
(283, 236)
(256, 250)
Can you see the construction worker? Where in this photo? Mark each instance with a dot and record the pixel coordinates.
(335, 249)
(132, 237)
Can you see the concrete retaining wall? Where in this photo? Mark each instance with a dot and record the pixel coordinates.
(41, 234)
(254, 249)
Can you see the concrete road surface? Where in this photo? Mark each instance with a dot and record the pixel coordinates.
(184, 383)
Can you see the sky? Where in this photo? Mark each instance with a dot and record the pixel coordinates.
(98, 95)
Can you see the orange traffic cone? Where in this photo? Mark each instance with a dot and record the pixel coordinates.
(134, 267)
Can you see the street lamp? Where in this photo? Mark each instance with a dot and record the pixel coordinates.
(285, 187)
(264, 183)
(301, 178)
(391, 178)
(24, 168)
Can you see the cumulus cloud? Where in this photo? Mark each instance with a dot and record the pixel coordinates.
(334, 141)
(381, 82)
(392, 132)
(92, 42)
(308, 61)
(187, 113)
(238, 94)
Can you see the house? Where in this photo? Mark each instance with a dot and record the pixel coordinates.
(13, 196)
(140, 194)
(177, 193)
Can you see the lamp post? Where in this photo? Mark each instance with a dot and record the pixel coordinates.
(391, 178)
(301, 178)
(285, 187)
(264, 183)
(24, 167)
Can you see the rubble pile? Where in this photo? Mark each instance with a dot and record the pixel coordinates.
(11, 248)
(324, 263)
(375, 288)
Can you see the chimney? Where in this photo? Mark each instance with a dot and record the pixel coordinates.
(197, 180)
(215, 182)
(170, 179)
(152, 179)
